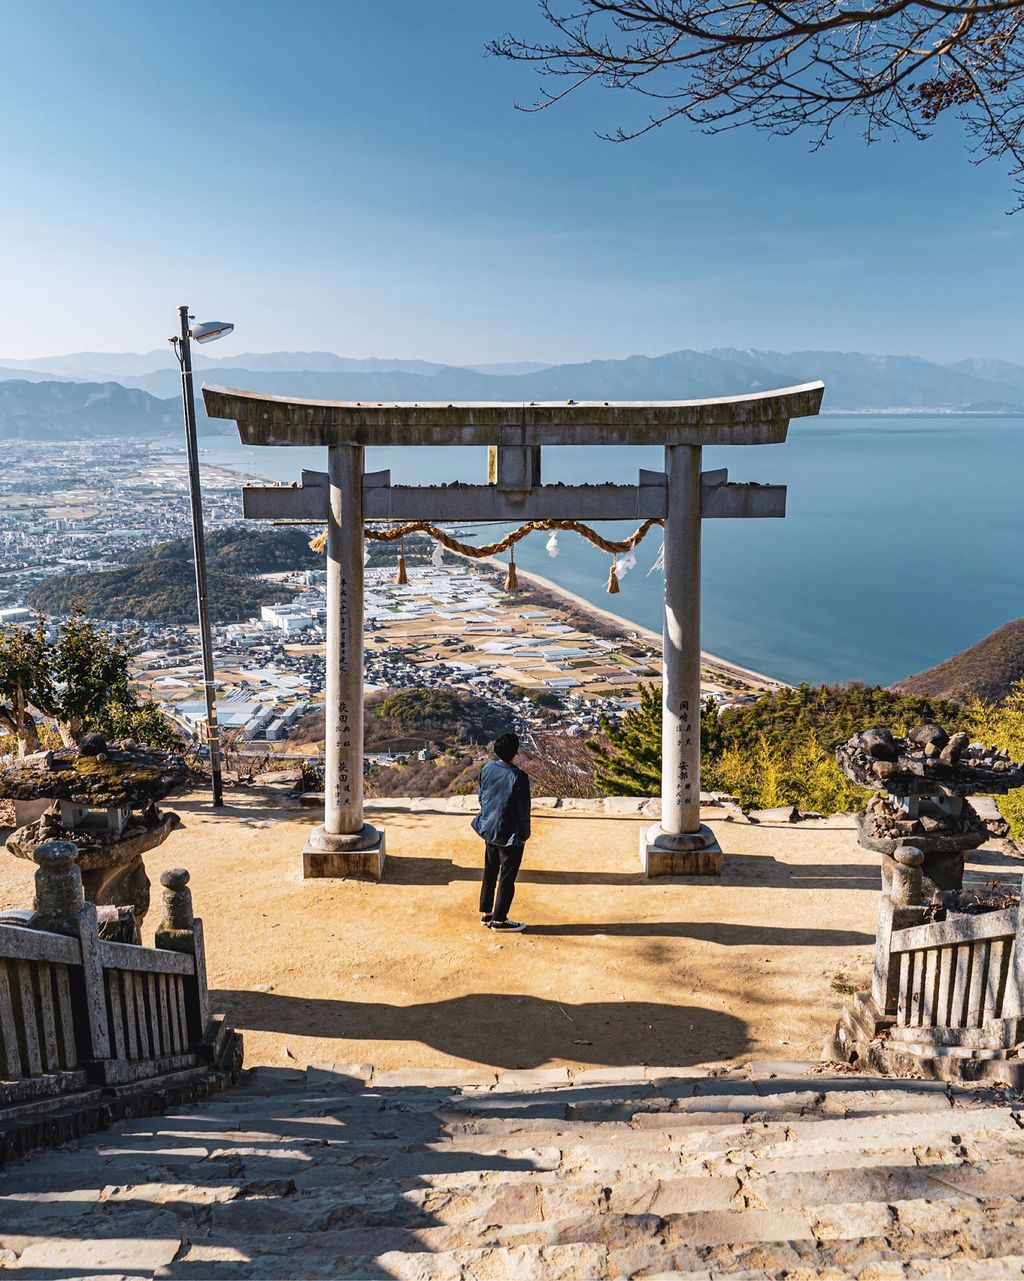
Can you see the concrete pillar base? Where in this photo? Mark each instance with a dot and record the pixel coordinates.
(345, 854)
(683, 854)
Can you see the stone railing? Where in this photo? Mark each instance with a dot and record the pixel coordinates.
(79, 1013)
(947, 997)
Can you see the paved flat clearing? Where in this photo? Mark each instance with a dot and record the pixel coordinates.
(611, 971)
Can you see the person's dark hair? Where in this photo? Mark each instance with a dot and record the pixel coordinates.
(506, 746)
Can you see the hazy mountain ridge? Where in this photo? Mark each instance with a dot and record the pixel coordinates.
(853, 381)
(79, 411)
(33, 404)
(132, 368)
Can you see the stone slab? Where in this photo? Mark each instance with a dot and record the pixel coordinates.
(339, 1075)
(611, 1076)
(533, 1078)
(71, 1257)
(434, 1078)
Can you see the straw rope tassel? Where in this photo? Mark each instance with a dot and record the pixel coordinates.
(511, 580)
(509, 540)
(613, 580)
(401, 578)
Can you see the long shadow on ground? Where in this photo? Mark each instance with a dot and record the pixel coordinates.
(759, 870)
(504, 1030)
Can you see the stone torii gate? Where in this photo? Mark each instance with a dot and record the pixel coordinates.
(345, 497)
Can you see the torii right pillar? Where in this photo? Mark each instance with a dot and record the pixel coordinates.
(680, 845)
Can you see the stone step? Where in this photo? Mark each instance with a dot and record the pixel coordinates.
(571, 1263)
(261, 1207)
(616, 1245)
(790, 1146)
(717, 1133)
(796, 1174)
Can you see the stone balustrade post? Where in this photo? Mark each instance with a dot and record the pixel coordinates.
(59, 893)
(178, 917)
(61, 908)
(907, 876)
(904, 893)
(181, 930)
(1017, 960)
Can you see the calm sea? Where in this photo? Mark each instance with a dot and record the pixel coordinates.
(903, 542)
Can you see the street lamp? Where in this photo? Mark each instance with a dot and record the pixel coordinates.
(209, 331)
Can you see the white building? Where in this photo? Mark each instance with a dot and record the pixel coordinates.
(285, 618)
(19, 615)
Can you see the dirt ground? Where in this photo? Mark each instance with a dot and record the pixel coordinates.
(612, 969)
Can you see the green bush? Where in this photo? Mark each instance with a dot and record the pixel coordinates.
(1002, 724)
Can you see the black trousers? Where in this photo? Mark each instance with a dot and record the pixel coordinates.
(501, 867)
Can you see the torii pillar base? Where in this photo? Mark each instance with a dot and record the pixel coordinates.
(684, 854)
(347, 854)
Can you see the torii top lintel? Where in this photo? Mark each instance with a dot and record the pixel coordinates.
(758, 419)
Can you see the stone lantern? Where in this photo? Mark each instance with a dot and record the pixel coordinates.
(923, 781)
(104, 799)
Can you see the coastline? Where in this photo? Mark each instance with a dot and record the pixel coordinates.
(711, 661)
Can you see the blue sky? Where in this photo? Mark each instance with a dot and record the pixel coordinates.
(353, 176)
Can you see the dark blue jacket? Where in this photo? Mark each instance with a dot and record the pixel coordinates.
(504, 791)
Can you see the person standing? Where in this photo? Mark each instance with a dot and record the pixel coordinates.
(504, 825)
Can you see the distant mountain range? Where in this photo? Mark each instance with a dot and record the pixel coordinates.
(97, 393)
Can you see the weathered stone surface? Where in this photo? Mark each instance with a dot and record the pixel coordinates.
(98, 850)
(338, 1074)
(131, 779)
(878, 744)
(784, 814)
(105, 1255)
(533, 1078)
(435, 1078)
(867, 1179)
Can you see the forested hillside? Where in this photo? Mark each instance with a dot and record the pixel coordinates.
(987, 670)
(159, 591)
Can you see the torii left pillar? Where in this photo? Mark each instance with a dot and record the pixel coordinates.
(345, 845)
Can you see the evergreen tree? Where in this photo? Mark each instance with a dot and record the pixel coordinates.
(80, 679)
(629, 762)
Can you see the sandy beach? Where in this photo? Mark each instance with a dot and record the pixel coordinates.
(710, 661)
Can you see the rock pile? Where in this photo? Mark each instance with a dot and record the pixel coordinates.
(995, 898)
(928, 760)
(888, 819)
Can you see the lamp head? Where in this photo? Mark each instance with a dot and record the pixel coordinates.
(210, 330)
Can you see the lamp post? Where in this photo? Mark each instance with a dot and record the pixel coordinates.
(181, 343)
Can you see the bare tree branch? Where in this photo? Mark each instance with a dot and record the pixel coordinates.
(786, 67)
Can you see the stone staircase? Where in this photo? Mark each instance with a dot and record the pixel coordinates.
(773, 1171)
